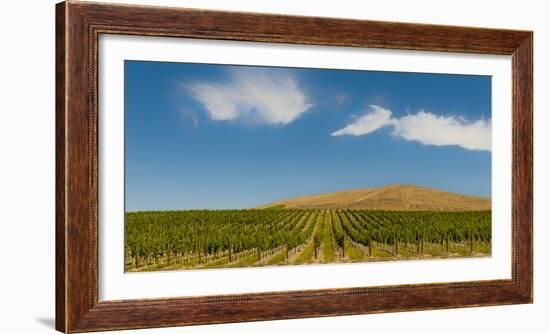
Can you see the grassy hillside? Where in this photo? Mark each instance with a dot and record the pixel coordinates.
(391, 197)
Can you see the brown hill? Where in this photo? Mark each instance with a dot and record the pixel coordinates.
(391, 197)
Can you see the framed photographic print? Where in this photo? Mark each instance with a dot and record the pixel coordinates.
(222, 167)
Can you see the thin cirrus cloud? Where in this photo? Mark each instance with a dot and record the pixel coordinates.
(253, 95)
(424, 127)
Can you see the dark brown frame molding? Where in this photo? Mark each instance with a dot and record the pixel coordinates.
(78, 25)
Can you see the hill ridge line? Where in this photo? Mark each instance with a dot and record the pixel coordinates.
(404, 197)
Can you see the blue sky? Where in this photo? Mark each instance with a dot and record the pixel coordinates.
(221, 136)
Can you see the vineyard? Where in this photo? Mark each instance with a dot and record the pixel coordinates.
(173, 240)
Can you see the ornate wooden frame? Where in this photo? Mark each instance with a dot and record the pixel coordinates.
(78, 25)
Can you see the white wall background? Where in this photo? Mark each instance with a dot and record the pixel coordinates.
(27, 165)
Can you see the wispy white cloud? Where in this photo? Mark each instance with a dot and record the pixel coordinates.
(425, 127)
(190, 116)
(372, 121)
(430, 129)
(341, 98)
(253, 95)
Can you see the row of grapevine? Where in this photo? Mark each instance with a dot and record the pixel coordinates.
(161, 239)
(201, 236)
(401, 229)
